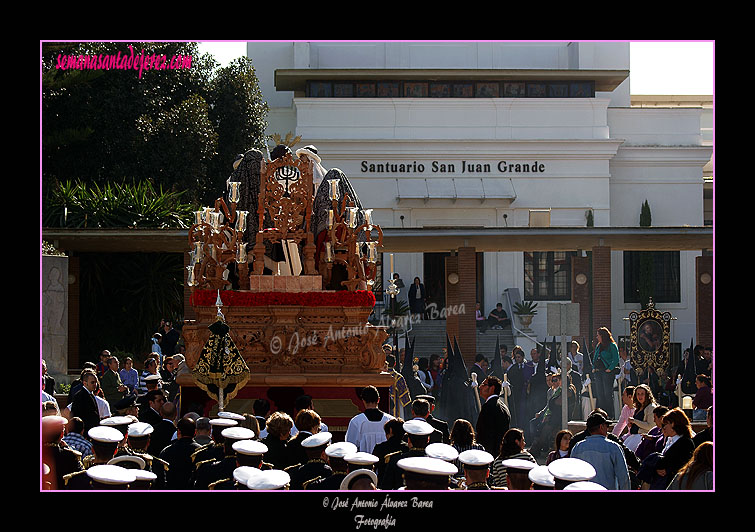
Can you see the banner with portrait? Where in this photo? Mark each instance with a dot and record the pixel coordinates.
(649, 344)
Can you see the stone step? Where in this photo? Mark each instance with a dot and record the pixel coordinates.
(430, 338)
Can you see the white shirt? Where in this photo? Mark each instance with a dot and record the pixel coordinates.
(102, 406)
(669, 442)
(578, 360)
(425, 378)
(365, 434)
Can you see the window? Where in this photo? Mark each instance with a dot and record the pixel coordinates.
(547, 275)
(666, 284)
(449, 88)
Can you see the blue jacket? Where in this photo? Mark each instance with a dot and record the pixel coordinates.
(608, 460)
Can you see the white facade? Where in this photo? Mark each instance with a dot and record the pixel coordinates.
(422, 162)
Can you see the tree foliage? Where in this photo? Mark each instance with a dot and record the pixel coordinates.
(176, 128)
(123, 315)
(645, 281)
(645, 216)
(114, 205)
(124, 149)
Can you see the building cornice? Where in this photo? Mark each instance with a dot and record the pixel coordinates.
(417, 239)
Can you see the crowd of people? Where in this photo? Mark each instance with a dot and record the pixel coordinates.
(122, 429)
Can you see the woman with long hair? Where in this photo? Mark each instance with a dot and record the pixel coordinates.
(659, 468)
(642, 418)
(561, 450)
(512, 446)
(605, 363)
(697, 474)
(462, 439)
(417, 297)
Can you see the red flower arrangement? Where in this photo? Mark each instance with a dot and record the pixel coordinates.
(232, 298)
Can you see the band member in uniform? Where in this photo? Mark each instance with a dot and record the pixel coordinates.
(211, 470)
(61, 459)
(418, 439)
(476, 467)
(336, 454)
(315, 466)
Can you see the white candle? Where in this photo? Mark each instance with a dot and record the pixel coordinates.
(241, 253)
(241, 221)
(234, 194)
(372, 251)
(215, 220)
(391, 265)
(328, 252)
(330, 218)
(352, 217)
(334, 195)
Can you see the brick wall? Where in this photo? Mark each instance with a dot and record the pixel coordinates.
(601, 288)
(704, 298)
(452, 297)
(467, 336)
(581, 294)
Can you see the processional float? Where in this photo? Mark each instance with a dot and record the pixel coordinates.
(294, 332)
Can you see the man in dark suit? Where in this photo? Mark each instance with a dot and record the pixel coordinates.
(439, 424)
(149, 411)
(308, 423)
(494, 418)
(538, 388)
(164, 431)
(170, 339)
(518, 398)
(480, 367)
(421, 410)
(84, 404)
(178, 456)
(112, 386)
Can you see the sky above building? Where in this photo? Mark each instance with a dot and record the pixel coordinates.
(668, 68)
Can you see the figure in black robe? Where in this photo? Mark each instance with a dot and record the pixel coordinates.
(457, 399)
